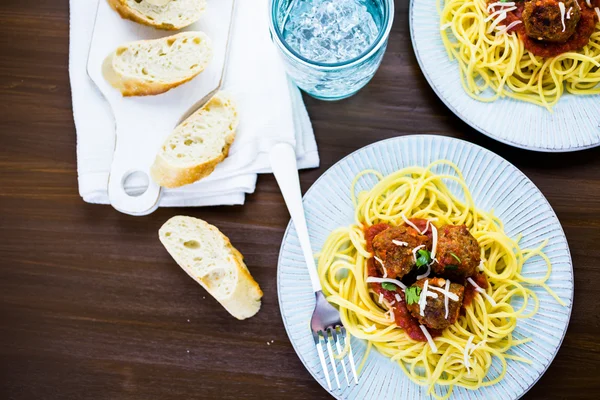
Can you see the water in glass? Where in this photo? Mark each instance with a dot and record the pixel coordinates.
(336, 45)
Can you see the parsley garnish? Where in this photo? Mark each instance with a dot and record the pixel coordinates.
(388, 286)
(455, 257)
(424, 258)
(451, 267)
(412, 294)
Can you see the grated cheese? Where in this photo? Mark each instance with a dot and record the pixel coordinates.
(445, 292)
(414, 251)
(498, 12)
(429, 339)
(380, 298)
(562, 9)
(434, 242)
(390, 315)
(445, 26)
(597, 9)
(494, 24)
(509, 27)
(569, 12)
(410, 223)
(426, 274)
(499, 4)
(369, 329)
(399, 243)
(466, 353)
(589, 3)
(372, 279)
(398, 298)
(482, 265)
(385, 274)
(577, 4)
(482, 291)
(446, 297)
(423, 298)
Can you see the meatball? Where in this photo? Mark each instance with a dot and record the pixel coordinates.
(458, 254)
(543, 19)
(394, 247)
(434, 313)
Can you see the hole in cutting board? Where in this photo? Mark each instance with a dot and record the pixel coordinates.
(136, 183)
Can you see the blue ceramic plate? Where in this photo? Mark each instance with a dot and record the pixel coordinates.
(573, 125)
(495, 184)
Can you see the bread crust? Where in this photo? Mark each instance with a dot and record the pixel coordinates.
(126, 12)
(133, 86)
(169, 176)
(245, 300)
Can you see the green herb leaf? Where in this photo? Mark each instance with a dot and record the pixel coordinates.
(388, 286)
(412, 294)
(455, 257)
(451, 267)
(424, 258)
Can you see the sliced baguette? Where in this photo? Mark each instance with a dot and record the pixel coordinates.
(207, 256)
(197, 145)
(150, 67)
(161, 14)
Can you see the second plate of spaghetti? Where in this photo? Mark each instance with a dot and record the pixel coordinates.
(450, 270)
(524, 72)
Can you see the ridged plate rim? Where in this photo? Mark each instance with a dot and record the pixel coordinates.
(475, 108)
(416, 141)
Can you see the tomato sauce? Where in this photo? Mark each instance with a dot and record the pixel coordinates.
(402, 316)
(581, 37)
(371, 232)
(470, 291)
(421, 224)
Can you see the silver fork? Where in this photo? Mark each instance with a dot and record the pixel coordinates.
(327, 328)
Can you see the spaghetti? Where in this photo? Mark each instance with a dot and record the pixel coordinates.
(462, 353)
(497, 59)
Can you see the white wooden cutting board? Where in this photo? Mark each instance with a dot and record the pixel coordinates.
(142, 123)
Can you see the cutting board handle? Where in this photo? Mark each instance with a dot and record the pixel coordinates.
(131, 156)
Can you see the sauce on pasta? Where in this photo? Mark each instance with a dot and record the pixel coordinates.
(376, 309)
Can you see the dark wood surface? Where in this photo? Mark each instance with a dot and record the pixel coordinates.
(92, 306)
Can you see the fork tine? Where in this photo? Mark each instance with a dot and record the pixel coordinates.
(339, 350)
(350, 355)
(329, 338)
(317, 338)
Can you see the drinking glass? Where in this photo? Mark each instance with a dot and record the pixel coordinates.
(332, 80)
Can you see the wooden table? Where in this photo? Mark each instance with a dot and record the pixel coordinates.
(93, 307)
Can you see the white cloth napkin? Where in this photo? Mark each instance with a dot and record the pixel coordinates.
(270, 107)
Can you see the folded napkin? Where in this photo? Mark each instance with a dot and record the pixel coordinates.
(270, 107)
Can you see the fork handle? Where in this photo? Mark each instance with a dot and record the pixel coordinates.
(285, 169)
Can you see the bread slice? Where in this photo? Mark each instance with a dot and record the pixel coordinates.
(161, 14)
(197, 145)
(209, 258)
(150, 67)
